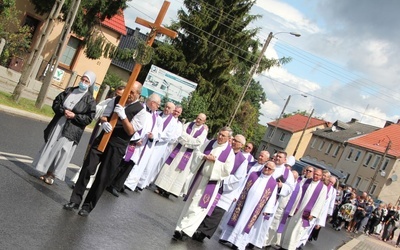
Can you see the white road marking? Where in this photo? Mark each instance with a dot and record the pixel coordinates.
(26, 159)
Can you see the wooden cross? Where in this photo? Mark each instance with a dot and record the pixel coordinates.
(155, 29)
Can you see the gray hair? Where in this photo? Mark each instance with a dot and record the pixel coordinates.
(228, 129)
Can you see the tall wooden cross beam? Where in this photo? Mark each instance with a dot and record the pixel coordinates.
(155, 29)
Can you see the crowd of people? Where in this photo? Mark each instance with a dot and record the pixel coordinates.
(258, 202)
(359, 214)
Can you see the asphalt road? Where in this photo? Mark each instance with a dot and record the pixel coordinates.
(32, 217)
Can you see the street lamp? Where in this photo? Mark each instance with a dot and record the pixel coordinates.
(280, 117)
(254, 70)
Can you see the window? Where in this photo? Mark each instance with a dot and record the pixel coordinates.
(376, 161)
(368, 159)
(350, 154)
(385, 164)
(329, 148)
(357, 156)
(70, 51)
(335, 153)
(357, 182)
(282, 138)
(321, 145)
(313, 143)
(372, 190)
(270, 132)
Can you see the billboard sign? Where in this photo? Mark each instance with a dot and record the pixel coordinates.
(165, 83)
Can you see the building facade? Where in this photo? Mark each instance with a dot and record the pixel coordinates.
(291, 134)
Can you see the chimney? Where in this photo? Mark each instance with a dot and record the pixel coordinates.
(388, 123)
(353, 120)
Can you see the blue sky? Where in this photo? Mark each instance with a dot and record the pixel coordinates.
(346, 60)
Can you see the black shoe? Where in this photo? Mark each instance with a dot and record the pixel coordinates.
(70, 206)
(113, 191)
(138, 189)
(234, 247)
(199, 236)
(165, 194)
(177, 235)
(83, 212)
(250, 246)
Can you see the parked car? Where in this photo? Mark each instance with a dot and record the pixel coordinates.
(300, 164)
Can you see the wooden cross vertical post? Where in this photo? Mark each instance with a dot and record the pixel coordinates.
(155, 29)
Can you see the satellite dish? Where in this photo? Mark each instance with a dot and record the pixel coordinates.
(394, 177)
(383, 173)
(333, 128)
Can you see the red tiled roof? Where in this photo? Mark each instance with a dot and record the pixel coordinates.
(379, 140)
(297, 122)
(116, 23)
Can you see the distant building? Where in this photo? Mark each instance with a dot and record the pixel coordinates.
(371, 162)
(327, 145)
(128, 41)
(73, 62)
(290, 134)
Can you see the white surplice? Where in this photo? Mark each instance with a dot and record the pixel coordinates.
(294, 230)
(172, 179)
(165, 136)
(142, 153)
(236, 235)
(192, 214)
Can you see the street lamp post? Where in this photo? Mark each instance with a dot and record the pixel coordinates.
(254, 70)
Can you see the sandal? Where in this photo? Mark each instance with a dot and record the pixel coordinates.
(49, 179)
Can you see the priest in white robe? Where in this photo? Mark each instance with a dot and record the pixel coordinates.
(173, 174)
(308, 206)
(215, 163)
(252, 209)
(166, 133)
(145, 146)
(228, 192)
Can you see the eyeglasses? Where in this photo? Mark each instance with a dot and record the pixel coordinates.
(268, 168)
(309, 170)
(248, 147)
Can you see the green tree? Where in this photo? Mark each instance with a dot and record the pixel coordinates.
(90, 14)
(216, 48)
(17, 37)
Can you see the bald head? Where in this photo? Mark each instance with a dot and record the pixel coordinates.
(168, 108)
(201, 119)
(134, 92)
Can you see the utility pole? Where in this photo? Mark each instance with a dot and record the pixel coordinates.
(37, 50)
(277, 121)
(53, 62)
(302, 133)
(252, 72)
(388, 146)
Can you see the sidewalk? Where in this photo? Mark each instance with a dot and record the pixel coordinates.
(372, 242)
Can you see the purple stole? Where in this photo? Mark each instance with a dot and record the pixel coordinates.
(188, 153)
(166, 122)
(251, 164)
(289, 206)
(269, 188)
(211, 185)
(249, 157)
(285, 174)
(239, 158)
(311, 202)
